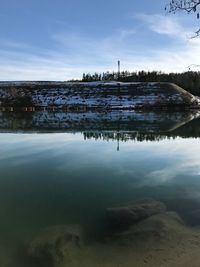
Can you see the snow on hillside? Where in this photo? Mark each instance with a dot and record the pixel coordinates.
(106, 95)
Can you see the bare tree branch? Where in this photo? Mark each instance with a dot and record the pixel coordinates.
(183, 5)
(189, 6)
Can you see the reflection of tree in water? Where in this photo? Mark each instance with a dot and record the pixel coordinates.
(189, 130)
(124, 137)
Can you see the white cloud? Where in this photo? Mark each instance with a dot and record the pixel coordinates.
(72, 54)
(163, 24)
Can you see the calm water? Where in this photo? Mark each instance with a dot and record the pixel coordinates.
(71, 178)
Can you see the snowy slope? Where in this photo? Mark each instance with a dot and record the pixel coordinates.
(104, 95)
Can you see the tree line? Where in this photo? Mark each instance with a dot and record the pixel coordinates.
(189, 80)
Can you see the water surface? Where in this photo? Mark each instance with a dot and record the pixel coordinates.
(70, 177)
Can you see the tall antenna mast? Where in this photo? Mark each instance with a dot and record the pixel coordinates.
(119, 69)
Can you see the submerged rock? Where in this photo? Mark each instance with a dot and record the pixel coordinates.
(159, 240)
(128, 215)
(160, 226)
(55, 243)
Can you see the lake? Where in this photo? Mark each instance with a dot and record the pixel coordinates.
(61, 174)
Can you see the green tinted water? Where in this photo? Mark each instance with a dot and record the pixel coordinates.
(63, 178)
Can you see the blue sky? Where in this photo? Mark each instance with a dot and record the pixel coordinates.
(61, 39)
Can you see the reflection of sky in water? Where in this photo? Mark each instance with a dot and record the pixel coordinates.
(142, 163)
